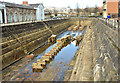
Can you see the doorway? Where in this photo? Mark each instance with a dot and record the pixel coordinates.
(3, 16)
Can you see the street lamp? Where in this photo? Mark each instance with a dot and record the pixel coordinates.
(118, 24)
(106, 21)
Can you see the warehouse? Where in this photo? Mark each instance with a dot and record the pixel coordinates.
(12, 13)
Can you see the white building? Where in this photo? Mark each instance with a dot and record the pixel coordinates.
(39, 11)
(14, 13)
(3, 18)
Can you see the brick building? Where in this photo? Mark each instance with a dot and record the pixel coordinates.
(11, 12)
(119, 11)
(110, 7)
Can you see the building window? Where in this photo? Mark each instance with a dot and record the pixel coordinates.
(27, 17)
(119, 5)
(1, 21)
(41, 14)
(10, 17)
(31, 16)
(104, 9)
(20, 17)
(15, 17)
(24, 17)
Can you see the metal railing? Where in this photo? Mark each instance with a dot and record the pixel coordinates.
(113, 23)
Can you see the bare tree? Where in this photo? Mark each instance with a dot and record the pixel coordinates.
(77, 9)
(70, 10)
(48, 10)
(87, 9)
(55, 12)
(96, 9)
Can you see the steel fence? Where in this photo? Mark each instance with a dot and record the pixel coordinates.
(113, 23)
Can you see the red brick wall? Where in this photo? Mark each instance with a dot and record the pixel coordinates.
(112, 7)
(25, 3)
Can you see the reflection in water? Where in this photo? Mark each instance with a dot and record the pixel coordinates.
(55, 70)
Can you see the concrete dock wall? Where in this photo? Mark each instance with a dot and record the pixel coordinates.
(29, 36)
(98, 55)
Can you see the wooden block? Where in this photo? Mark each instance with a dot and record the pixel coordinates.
(39, 61)
(46, 58)
(37, 66)
(48, 52)
(34, 65)
(58, 40)
(54, 48)
(50, 55)
(54, 36)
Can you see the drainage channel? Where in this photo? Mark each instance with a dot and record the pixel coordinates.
(54, 71)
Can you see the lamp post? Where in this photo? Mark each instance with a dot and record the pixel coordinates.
(106, 21)
(118, 24)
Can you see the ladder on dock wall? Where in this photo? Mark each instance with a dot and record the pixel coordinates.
(47, 26)
(15, 37)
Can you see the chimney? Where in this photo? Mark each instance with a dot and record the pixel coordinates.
(25, 3)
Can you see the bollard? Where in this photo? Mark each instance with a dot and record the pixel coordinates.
(106, 21)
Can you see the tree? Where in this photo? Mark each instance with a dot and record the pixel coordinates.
(87, 9)
(70, 10)
(96, 9)
(77, 9)
(55, 12)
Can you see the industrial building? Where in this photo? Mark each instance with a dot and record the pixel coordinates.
(12, 13)
(110, 7)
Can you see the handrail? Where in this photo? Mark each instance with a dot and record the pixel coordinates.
(113, 23)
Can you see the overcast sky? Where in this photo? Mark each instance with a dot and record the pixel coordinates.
(61, 3)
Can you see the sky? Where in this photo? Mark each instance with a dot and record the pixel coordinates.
(62, 3)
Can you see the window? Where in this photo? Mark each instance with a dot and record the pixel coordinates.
(24, 17)
(15, 17)
(119, 6)
(31, 16)
(20, 17)
(1, 21)
(27, 17)
(10, 17)
(104, 9)
(41, 13)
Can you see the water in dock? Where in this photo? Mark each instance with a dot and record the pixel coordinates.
(54, 71)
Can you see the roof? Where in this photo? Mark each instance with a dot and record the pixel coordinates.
(36, 5)
(16, 5)
(112, 0)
